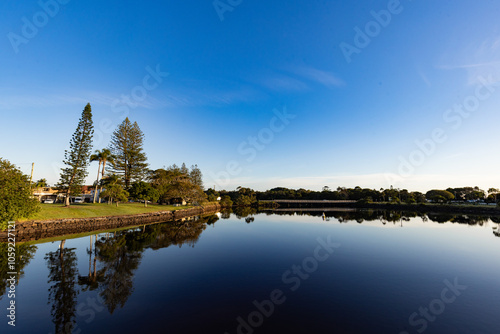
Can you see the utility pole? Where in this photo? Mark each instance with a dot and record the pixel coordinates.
(31, 177)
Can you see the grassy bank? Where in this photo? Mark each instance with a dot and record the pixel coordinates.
(57, 211)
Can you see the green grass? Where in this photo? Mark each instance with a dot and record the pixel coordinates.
(56, 211)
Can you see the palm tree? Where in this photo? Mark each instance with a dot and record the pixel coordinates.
(97, 156)
(102, 156)
(106, 156)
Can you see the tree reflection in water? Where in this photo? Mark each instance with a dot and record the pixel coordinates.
(120, 255)
(113, 260)
(92, 280)
(496, 229)
(244, 212)
(240, 212)
(119, 259)
(395, 217)
(24, 254)
(63, 274)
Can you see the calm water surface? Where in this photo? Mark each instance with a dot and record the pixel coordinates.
(264, 274)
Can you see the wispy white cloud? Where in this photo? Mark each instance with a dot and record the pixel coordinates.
(185, 93)
(479, 59)
(452, 67)
(206, 96)
(283, 83)
(297, 79)
(162, 98)
(10, 102)
(454, 156)
(231, 96)
(325, 78)
(424, 78)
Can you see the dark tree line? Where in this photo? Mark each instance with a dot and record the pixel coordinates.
(247, 197)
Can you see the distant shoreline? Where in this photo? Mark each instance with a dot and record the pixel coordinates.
(435, 208)
(424, 208)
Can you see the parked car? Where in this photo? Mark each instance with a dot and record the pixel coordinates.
(78, 200)
(48, 201)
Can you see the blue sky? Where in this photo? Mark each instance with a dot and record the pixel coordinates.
(354, 117)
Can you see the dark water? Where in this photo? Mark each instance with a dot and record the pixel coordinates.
(348, 272)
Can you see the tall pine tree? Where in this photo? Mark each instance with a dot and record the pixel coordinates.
(130, 159)
(77, 158)
(196, 176)
(184, 169)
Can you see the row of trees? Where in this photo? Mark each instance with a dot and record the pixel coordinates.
(464, 194)
(123, 169)
(246, 196)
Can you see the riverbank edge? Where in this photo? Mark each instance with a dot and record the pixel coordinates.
(432, 208)
(422, 208)
(40, 229)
